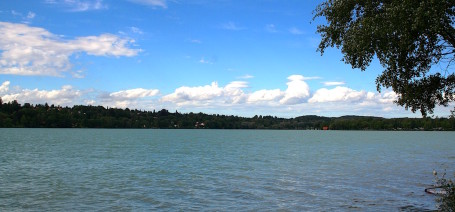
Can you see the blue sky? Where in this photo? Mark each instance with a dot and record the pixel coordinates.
(213, 56)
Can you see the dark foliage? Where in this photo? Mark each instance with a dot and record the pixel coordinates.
(446, 201)
(13, 114)
(413, 40)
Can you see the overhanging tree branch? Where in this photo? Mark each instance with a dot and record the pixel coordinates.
(407, 37)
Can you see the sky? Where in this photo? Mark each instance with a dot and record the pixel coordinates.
(231, 57)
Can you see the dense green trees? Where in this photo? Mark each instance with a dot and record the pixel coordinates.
(13, 114)
(413, 40)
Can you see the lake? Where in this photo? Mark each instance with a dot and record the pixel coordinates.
(220, 170)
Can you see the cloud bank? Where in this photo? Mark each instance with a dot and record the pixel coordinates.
(237, 96)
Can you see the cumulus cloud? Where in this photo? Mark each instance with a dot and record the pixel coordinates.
(199, 93)
(232, 93)
(64, 96)
(265, 95)
(4, 87)
(297, 99)
(297, 91)
(388, 97)
(234, 85)
(154, 3)
(347, 96)
(337, 94)
(236, 96)
(35, 51)
(135, 98)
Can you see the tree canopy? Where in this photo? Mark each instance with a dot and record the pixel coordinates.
(414, 41)
(13, 114)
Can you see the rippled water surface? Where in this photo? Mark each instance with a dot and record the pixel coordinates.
(99, 169)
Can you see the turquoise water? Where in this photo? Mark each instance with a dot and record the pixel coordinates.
(227, 170)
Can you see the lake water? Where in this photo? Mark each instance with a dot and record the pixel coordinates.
(221, 170)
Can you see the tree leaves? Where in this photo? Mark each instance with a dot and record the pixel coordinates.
(411, 39)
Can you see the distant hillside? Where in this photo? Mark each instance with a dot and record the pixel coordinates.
(13, 114)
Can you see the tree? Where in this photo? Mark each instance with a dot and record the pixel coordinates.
(413, 40)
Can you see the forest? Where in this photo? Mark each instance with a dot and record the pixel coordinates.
(15, 115)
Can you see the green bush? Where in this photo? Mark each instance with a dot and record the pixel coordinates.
(446, 198)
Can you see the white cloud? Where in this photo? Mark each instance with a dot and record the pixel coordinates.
(332, 83)
(296, 31)
(35, 51)
(199, 93)
(64, 96)
(4, 87)
(103, 45)
(137, 98)
(154, 3)
(337, 94)
(236, 85)
(134, 93)
(235, 96)
(345, 95)
(265, 95)
(388, 97)
(212, 94)
(297, 91)
(233, 92)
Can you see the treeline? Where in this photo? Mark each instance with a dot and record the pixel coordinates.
(13, 114)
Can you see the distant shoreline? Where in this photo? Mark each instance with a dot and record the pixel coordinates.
(15, 115)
